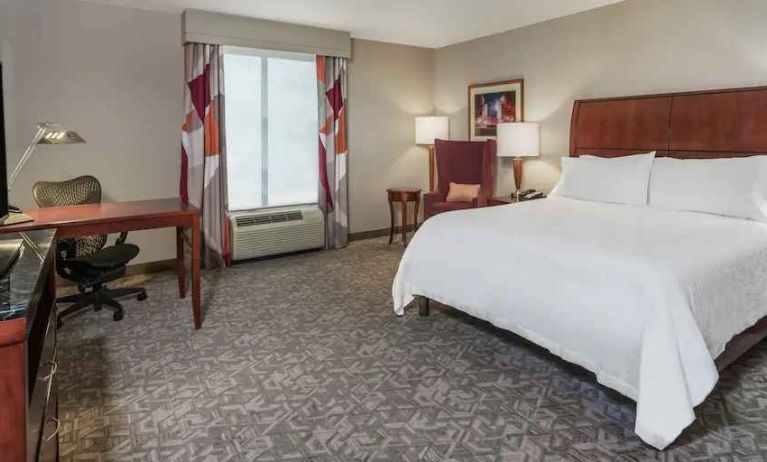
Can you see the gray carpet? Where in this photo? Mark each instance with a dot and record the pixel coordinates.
(302, 358)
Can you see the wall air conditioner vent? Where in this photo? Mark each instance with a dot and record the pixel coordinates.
(259, 233)
(244, 221)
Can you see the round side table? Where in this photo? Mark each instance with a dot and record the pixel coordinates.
(403, 196)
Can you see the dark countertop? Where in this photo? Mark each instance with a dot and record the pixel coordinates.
(21, 284)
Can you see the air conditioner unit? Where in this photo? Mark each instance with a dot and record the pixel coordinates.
(277, 230)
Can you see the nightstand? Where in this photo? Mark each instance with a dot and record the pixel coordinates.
(403, 196)
(508, 199)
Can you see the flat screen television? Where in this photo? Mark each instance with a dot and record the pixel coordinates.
(3, 167)
(10, 245)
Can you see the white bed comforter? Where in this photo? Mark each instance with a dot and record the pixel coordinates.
(644, 298)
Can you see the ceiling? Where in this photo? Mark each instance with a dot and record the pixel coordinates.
(427, 23)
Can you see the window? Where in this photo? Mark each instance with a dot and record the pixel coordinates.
(271, 128)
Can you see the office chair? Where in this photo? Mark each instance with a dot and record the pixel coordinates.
(85, 260)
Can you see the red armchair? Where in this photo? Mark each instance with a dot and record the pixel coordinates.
(463, 162)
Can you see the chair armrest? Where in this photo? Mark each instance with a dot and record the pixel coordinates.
(486, 192)
(75, 269)
(429, 199)
(72, 266)
(123, 237)
(433, 197)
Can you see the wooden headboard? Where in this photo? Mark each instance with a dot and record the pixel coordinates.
(700, 124)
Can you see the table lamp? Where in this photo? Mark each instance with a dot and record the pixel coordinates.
(47, 133)
(428, 129)
(518, 140)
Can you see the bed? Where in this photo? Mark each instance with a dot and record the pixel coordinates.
(652, 301)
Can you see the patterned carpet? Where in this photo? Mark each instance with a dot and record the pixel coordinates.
(302, 358)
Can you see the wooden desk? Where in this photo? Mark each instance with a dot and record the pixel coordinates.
(29, 420)
(116, 217)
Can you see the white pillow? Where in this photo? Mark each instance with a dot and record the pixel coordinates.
(621, 180)
(727, 186)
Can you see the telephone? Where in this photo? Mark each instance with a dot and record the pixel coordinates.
(530, 194)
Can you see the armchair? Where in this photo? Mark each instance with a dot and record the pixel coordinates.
(464, 162)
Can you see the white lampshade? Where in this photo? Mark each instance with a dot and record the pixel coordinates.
(518, 139)
(430, 128)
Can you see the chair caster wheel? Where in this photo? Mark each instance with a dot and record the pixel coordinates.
(142, 296)
(117, 316)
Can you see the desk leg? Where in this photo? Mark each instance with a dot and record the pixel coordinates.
(180, 264)
(196, 272)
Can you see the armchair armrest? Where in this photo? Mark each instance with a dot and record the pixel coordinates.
(480, 201)
(432, 197)
(429, 199)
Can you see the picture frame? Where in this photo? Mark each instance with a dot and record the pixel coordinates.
(493, 103)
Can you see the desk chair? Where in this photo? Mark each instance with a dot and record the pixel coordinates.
(85, 260)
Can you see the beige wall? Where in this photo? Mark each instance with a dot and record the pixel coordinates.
(115, 75)
(635, 47)
(389, 85)
(112, 74)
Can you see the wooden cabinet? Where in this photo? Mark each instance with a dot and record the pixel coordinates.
(28, 367)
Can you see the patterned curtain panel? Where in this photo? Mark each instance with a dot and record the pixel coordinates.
(203, 175)
(333, 190)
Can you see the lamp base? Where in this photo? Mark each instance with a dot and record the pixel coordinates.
(516, 165)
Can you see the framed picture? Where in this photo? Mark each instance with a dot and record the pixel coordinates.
(494, 103)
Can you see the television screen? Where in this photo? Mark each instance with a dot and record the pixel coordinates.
(3, 172)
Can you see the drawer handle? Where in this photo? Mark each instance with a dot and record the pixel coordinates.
(54, 368)
(55, 432)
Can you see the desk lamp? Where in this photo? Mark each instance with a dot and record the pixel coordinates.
(47, 133)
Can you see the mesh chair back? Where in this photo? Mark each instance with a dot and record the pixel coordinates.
(77, 191)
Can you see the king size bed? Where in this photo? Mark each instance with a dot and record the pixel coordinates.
(649, 299)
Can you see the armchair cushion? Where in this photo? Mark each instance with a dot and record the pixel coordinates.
(462, 192)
